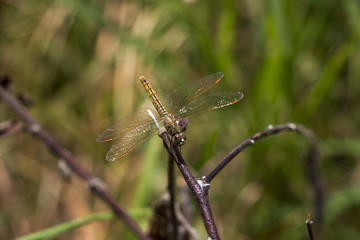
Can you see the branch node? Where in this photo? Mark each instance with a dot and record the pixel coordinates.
(34, 128)
(203, 184)
(5, 82)
(65, 169)
(309, 227)
(292, 126)
(96, 184)
(308, 219)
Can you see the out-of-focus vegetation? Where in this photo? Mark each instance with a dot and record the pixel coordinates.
(295, 61)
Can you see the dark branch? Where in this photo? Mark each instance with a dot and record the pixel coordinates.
(270, 131)
(95, 184)
(171, 190)
(309, 227)
(311, 164)
(313, 177)
(198, 189)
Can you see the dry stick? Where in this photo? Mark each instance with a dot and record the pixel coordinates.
(309, 227)
(311, 165)
(312, 171)
(270, 131)
(199, 191)
(171, 190)
(95, 184)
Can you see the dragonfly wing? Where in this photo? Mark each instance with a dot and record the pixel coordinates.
(209, 102)
(129, 124)
(130, 140)
(187, 93)
(130, 132)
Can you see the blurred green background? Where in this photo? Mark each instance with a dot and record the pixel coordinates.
(295, 61)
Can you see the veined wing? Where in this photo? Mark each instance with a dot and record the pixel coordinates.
(133, 122)
(130, 132)
(129, 141)
(184, 95)
(208, 102)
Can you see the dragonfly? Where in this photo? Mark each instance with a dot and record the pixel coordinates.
(182, 103)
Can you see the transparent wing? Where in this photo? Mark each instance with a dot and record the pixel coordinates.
(130, 132)
(184, 95)
(129, 141)
(208, 102)
(129, 123)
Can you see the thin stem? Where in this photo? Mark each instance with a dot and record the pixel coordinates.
(312, 171)
(309, 227)
(171, 190)
(95, 184)
(311, 165)
(270, 131)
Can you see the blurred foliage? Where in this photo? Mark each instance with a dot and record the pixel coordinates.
(295, 61)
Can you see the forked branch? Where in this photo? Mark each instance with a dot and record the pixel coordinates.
(199, 188)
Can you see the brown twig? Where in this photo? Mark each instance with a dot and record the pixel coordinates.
(198, 188)
(311, 164)
(171, 190)
(312, 171)
(95, 184)
(250, 141)
(309, 227)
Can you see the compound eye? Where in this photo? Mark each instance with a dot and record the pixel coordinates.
(179, 139)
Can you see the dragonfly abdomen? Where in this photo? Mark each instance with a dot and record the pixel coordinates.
(153, 97)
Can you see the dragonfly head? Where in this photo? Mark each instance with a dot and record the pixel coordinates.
(179, 139)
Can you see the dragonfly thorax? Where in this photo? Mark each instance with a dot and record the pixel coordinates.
(173, 129)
